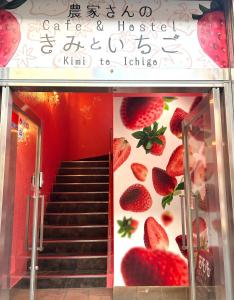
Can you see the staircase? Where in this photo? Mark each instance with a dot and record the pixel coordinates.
(76, 227)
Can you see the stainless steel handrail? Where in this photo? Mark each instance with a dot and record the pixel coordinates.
(41, 233)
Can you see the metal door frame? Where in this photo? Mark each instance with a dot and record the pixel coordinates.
(41, 80)
(7, 106)
(225, 212)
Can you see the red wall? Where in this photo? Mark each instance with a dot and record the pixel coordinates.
(90, 121)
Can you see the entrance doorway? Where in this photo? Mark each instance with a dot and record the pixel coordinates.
(205, 138)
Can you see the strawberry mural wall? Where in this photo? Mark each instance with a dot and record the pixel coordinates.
(148, 178)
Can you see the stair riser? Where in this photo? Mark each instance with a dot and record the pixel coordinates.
(90, 171)
(85, 164)
(81, 179)
(76, 220)
(77, 207)
(76, 187)
(59, 196)
(76, 266)
(61, 283)
(76, 233)
(76, 248)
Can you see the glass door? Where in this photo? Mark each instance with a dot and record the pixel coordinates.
(21, 197)
(206, 198)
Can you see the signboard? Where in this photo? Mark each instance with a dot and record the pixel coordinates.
(94, 36)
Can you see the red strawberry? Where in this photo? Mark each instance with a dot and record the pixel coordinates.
(211, 32)
(207, 197)
(140, 112)
(195, 103)
(179, 241)
(144, 267)
(167, 218)
(140, 171)
(152, 139)
(121, 151)
(136, 198)
(164, 184)
(201, 223)
(155, 237)
(9, 36)
(175, 166)
(157, 149)
(127, 226)
(176, 122)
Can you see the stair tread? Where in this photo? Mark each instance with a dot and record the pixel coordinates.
(88, 161)
(76, 202)
(55, 274)
(58, 256)
(82, 175)
(76, 214)
(74, 226)
(80, 183)
(97, 192)
(74, 241)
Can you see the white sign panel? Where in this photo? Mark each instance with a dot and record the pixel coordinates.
(98, 35)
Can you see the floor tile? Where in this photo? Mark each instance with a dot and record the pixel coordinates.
(77, 294)
(125, 293)
(149, 293)
(175, 293)
(50, 294)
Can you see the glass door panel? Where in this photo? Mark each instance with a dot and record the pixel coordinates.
(204, 190)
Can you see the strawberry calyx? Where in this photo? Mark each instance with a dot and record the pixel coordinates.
(216, 5)
(126, 228)
(149, 136)
(168, 198)
(4, 4)
(168, 99)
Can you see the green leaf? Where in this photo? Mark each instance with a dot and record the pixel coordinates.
(149, 145)
(180, 186)
(138, 135)
(166, 106)
(196, 17)
(120, 223)
(147, 129)
(162, 130)
(157, 140)
(176, 193)
(140, 143)
(14, 4)
(155, 127)
(203, 8)
(147, 151)
(167, 200)
(169, 99)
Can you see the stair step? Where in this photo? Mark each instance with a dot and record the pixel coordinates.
(85, 164)
(80, 196)
(102, 157)
(82, 178)
(81, 187)
(79, 207)
(76, 218)
(83, 171)
(77, 265)
(65, 281)
(75, 247)
(75, 232)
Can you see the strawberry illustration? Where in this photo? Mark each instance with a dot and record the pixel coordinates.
(201, 224)
(121, 151)
(136, 198)
(206, 197)
(140, 112)
(155, 236)
(152, 139)
(195, 103)
(127, 226)
(167, 218)
(140, 171)
(164, 184)
(176, 122)
(10, 34)
(145, 267)
(175, 166)
(211, 32)
(179, 241)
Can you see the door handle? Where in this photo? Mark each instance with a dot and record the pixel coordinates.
(41, 232)
(41, 228)
(184, 238)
